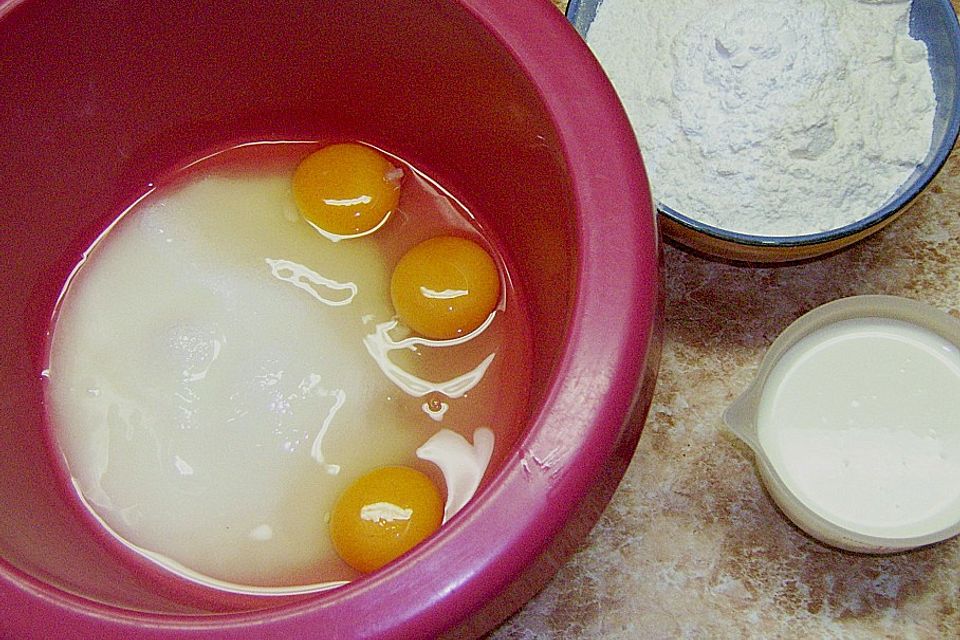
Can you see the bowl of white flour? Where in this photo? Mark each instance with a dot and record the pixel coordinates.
(781, 131)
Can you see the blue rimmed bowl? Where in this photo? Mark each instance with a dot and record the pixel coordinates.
(934, 22)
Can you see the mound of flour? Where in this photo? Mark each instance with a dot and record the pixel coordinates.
(771, 118)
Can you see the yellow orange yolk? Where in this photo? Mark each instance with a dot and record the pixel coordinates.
(445, 287)
(384, 514)
(346, 189)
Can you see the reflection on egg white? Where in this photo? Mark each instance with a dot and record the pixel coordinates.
(308, 280)
(212, 371)
(380, 343)
(461, 463)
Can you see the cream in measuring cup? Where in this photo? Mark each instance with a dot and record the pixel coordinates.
(855, 421)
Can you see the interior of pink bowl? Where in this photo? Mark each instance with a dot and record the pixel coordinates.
(497, 100)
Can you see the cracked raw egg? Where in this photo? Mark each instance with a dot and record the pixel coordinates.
(445, 287)
(346, 189)
(246, 393)
(384, 514)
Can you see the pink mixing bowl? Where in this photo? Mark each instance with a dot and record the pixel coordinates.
(499, 100)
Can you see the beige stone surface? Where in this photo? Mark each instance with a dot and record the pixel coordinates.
(691, 546)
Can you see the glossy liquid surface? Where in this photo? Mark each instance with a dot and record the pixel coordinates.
(219, 372)
(861, 420)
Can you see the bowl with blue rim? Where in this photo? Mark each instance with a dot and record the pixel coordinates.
(932, 21)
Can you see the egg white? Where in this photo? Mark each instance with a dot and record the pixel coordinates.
(209, 386)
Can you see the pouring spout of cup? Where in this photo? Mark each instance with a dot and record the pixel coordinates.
(741, 418)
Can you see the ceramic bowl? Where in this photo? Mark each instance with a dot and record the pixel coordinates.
(934, 22)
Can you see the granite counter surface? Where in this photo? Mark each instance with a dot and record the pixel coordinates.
(691, 546)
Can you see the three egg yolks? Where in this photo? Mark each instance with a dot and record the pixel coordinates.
(445, 287)
(384, 514)
(346, 189)
(442, 288)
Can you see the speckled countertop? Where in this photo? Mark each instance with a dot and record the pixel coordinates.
(691, 546)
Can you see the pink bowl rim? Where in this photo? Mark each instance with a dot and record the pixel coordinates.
(610, 338)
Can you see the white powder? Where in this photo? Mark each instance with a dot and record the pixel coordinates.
(771, 117)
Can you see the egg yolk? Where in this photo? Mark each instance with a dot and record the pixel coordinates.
(384, 514)
(445, 287)
(346, 189)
